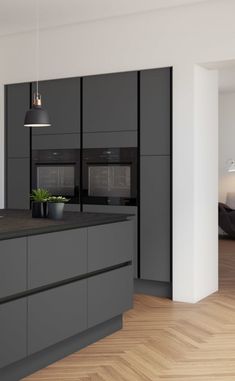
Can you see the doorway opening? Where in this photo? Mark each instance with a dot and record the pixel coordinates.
(227, 179)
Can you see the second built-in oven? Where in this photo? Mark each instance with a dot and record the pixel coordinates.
(110, 176)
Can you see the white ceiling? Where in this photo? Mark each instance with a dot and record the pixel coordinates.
(19, 15)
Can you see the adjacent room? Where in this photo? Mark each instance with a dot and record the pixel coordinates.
(226, 178)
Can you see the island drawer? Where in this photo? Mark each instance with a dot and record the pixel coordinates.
(57, 256)
(56, 314)
(110, 245)
(109, 295)
(13, 318)
(13, 259)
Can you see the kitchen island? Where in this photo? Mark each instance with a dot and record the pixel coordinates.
(63, 285)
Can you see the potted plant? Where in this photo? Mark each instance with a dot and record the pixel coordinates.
(56, 207)
(39, 199)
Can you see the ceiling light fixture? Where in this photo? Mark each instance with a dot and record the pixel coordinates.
(37, 116)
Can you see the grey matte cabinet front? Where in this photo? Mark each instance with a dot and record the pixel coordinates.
(109, 295)
(13, 260)
(110, 139)
(110, 102)
(13, 335)
(56, 141)
(155, 111)
(57, 256)
(18, 183)
(119, 209)
(110, 244)
(17, 103)
(61, 98)
(56, 314)
(155, 214)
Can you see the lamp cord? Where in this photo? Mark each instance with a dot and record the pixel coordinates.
(37, 43)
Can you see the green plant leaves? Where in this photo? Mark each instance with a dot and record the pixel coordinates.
(40, 195)
(57, 199)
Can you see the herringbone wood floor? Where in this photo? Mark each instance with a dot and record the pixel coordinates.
(163, 340)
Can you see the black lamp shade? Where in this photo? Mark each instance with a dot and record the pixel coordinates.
(37, 117)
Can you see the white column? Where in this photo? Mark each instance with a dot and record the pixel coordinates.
(183, 183)
(206, 181)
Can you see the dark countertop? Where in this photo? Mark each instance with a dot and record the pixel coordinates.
(19, 223)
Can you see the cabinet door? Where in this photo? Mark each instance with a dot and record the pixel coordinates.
(110, 244)
(61, 98)
(109, 295)
(17, 103)
(56, 314)
(57, 256)
(56, 141)
(13, 278)
(155, 218)
(155, 111)
(13, 332)
(110, 102)
(18, 183)
(110, 139)
(133, 210)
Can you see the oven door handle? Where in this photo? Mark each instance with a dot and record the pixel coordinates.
(57, 163)
(117, 163)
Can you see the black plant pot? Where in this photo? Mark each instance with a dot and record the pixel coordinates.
(55, 210)
(39, 209)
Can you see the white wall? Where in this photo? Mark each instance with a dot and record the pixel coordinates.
(226, 146)
(205, 182)
(181, 37)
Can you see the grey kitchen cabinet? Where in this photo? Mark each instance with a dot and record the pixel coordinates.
(109, 295)
(56, 314)
(109, 245)
(155, 111)
(18, 183)
(155, 225)
(57, 256)
(110, 102)
(13, 335)
(61, 98)
(13, 260)
(18, 136)
(56, 141)
(132, 210)
(110, 139)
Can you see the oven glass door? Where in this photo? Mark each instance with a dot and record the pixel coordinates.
(57, 179)
(109, 176)
(110, 180)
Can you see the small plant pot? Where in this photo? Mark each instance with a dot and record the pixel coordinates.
(39, 209)
(55, 210)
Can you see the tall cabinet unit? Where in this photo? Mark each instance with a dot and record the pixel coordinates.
(110, 104)
(62, 100)
(17, 146)
(155, 179)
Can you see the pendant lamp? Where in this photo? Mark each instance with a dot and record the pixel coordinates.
(37, 116)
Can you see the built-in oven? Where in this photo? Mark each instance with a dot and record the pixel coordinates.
(58, 171)
(110, 176)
